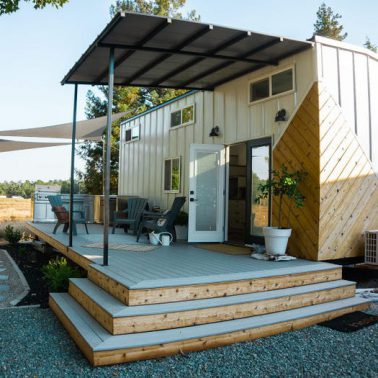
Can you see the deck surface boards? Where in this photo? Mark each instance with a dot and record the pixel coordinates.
(180, 264)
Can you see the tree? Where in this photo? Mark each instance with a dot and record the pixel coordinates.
(11, 6)
(132, 99)
(327, 24)
(371, 46)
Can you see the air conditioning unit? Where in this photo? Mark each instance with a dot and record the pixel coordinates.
(371, 247)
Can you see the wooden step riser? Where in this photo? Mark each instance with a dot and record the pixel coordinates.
(134, 324)
(221, 289)
(100, 358)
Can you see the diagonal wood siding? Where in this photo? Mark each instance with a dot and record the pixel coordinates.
(298, 149)
(341, 188)
(348, 185)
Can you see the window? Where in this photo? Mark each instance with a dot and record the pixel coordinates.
(259, 90)
(273, 85)
(282, 82)
(172, 175)
(132, 133)
(183, 116)
(176, 118)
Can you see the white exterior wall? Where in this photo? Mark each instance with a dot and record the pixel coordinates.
(351, 75)
(141, 162)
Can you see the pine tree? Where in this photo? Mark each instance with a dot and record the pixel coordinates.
(371, 46)
(11, 6)
(132, 99)
(327, 24)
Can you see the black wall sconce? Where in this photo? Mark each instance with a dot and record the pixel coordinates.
(280, 116)
(214, 132)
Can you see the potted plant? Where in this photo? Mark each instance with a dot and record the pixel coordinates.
(181, 226)
(281, 184)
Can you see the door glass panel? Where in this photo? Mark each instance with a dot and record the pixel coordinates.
(260, 174)
(207, 186)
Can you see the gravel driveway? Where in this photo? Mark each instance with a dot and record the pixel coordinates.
(34, 344)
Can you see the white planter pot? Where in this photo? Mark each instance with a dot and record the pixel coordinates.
(276, 240)
(181, 232)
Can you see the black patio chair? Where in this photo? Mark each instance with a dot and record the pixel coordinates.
(162, 222)
(130, 216)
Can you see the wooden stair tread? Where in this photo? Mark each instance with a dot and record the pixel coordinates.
(283, 269)
(116, 308)
(99, 339)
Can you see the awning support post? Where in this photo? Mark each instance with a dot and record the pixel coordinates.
(72, 178)
(106, 163)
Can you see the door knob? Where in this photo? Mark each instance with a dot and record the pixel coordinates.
(192, 200)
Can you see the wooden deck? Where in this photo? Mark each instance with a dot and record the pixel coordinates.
(179, 264)
(183, 298)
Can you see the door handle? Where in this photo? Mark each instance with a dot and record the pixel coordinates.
(192, 200)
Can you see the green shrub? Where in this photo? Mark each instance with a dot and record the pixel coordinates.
(12, 235)
(57, 272)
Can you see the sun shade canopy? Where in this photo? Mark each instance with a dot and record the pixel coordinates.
(91, 129)
(13, 145)
(153, 51)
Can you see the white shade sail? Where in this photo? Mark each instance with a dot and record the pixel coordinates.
(91, 129)
(13, 145)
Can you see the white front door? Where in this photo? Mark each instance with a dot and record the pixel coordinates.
(206, 193)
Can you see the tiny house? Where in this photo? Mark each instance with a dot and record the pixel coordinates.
(314, 111)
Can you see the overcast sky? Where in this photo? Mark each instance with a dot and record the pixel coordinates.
(39, 47)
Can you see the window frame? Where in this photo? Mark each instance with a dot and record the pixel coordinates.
(164, 175)
(131, 127)
(181, 113)
(269, 76)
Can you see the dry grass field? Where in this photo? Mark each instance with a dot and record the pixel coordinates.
(15, 209)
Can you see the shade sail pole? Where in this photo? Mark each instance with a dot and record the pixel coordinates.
(108, 136)
(72, 178)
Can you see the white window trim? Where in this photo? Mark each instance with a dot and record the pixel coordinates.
(269, 76)
(180, 183)
(130, 127)
(186, 123)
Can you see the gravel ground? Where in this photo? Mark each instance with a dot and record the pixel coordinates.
(34, 344)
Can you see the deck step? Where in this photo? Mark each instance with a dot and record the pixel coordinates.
(118, 318)
(102, 348)
(165, 291)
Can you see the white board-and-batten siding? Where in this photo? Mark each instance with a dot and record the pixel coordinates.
(141, 162)
(351, 76)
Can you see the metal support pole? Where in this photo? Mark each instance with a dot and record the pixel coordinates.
(72, 178)
(106, 163)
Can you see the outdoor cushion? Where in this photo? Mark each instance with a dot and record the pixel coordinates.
(61, 213)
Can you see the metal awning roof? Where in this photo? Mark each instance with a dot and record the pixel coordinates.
(152, 51)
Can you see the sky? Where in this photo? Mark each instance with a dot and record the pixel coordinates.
(38, 47)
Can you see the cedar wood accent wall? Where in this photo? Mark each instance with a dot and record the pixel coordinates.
(341, 188)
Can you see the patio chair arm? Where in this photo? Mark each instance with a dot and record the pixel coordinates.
(153, 214)
(121, 212)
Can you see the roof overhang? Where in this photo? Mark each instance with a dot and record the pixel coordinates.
(152, 51)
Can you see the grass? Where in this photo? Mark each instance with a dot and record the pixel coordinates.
(15, 209)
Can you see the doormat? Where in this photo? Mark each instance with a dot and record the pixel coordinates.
(351, 322)
(124, 247)
(225, 248)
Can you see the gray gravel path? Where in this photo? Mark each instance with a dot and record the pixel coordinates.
(34, 344)
(13, 285)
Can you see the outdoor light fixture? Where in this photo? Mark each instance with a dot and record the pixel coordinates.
(280, 116)
(215, 131)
